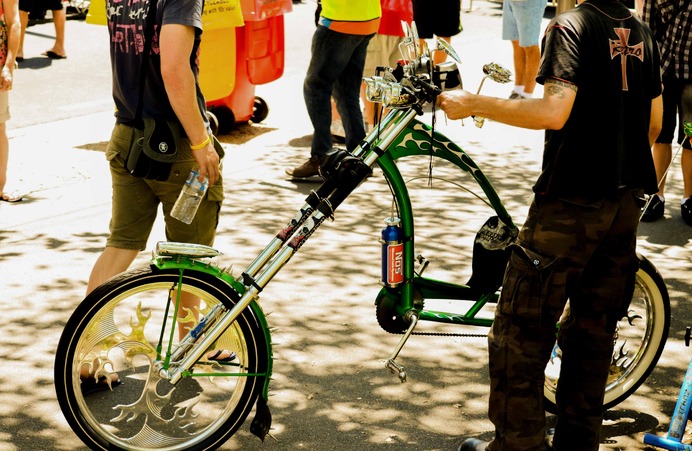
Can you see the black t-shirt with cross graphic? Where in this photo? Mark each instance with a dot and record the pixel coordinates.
(613, 60)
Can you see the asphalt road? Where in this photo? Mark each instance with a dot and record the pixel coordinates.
(331, 390)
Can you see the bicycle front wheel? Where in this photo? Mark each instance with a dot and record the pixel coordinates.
(639, 340)
(126, 326)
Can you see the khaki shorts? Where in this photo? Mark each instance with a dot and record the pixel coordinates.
(136, 200)
(383, 50)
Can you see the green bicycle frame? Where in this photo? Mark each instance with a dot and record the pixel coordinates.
(400, 135)
(420, 139)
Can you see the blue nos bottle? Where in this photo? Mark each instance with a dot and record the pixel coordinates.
(392, 253)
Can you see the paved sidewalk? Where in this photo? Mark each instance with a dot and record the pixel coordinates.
(331, 391)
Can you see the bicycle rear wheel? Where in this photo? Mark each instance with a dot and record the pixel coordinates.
(639, 340)
(125, 326)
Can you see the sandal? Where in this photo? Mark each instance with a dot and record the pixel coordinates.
(222, 355)
(53, 55)
(11, 197)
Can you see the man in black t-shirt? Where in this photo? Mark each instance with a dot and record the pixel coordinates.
(601, 110)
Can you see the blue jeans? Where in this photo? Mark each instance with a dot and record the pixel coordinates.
(336, 70)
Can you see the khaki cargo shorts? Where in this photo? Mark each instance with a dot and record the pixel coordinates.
(136, 200)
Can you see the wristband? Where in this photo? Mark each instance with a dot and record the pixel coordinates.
(201, 145)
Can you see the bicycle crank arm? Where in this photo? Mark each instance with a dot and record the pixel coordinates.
(412, 316)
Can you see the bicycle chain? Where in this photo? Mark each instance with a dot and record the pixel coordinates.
(442, 334)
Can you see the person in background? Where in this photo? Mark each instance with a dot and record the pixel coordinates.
(59, 19)
(172, 92)
(383, 49)
(601, 109)
(521, 24)
(9, 42)
(339, 46)
(441, 18)
(671, 22)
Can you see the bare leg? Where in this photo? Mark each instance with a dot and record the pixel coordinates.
(519, 56)
(4, 157)
(532, 57)
(59, 19)
(113, 261)
(441, 57)
(188, 313)
(686, 163)
(663, 154)
(24, 22)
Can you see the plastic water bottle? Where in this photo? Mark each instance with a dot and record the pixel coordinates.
(190, 197)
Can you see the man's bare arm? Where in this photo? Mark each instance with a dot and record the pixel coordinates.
(549, 112)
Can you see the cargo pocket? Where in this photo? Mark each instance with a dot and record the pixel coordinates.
(120, 142)
(528, 285)
(215, 193)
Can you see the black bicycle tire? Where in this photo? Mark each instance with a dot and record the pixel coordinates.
(248, 323)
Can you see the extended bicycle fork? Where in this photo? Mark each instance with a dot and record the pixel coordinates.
(673, 440)
(343, 172)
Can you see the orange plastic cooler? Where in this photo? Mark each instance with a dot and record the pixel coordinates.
(259, 60)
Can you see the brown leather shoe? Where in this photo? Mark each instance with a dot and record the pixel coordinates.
(308, 169)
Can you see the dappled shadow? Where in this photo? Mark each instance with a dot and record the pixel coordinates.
(244, 132)
(617, 422)
(303, 141)
(239, 135)
(97, 147)
(330, 388)
(35, 62)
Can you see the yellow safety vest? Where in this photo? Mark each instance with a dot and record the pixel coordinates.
(351, 16)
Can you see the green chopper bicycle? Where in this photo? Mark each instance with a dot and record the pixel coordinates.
(175, 398)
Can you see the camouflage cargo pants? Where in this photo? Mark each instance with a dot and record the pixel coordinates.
(584, 252)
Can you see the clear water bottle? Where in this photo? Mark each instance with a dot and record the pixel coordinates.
(190, 197)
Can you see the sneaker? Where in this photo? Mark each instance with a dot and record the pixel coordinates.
(473, 444)
(654, 209)
(686, 211)
(515, 95)
(308, 169)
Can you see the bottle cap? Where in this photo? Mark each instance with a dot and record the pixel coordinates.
(392, 221)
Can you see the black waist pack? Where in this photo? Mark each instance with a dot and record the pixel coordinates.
(154, 149)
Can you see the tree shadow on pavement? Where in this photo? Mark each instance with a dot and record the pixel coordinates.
(330, 388)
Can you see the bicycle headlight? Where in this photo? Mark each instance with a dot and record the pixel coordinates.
(373, 88)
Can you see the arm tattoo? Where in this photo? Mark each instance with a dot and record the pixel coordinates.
(557, 87)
